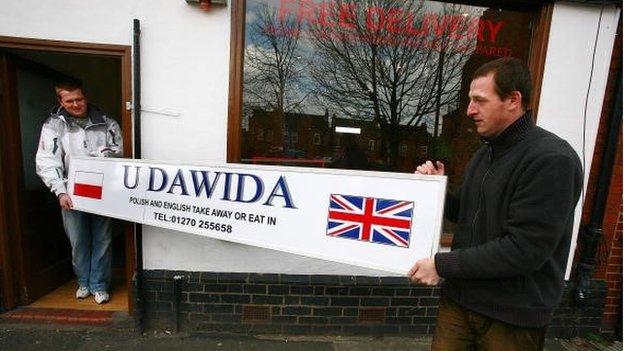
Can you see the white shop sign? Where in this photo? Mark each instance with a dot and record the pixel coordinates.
(377, 220)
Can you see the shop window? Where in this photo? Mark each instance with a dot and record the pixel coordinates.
(306, 65)
(317, 139)
(403, 149)
(371, 145)
(260, 134)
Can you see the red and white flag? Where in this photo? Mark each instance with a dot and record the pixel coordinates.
(88, 184)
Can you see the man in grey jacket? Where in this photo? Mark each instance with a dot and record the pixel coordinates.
(77, 128)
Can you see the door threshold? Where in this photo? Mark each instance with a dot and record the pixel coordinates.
(60, 316)
(64, 297)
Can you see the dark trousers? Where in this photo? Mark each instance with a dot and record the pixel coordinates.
(460, 329)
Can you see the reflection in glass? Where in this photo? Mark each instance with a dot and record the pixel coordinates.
(384, 81)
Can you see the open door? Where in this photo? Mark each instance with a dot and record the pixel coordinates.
(9, 288)
(37, 240)
(35, 254)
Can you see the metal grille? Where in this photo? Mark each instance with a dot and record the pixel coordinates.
(372, 315)
(256, 314)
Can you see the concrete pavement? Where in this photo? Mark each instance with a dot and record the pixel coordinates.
(48, 337)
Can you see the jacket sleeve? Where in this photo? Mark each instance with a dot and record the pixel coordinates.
(49, 160)
(451, 206)
(114, 140)
(539, 215)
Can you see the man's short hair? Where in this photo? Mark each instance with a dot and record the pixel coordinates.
(510, 74)
(67, 85)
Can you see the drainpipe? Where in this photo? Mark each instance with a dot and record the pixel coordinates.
(591, 234)
(139, 309)
(177, 292)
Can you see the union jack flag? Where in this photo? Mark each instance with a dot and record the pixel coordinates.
(370, 219)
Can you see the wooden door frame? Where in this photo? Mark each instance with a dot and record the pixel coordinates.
(25, 277)
(7, 246)
(10, 252)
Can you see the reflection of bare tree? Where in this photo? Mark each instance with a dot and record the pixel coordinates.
(379, 72)
(274, 65)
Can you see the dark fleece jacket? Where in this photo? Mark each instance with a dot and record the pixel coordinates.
(515, 212)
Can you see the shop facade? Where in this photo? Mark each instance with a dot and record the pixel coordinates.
(303, 83)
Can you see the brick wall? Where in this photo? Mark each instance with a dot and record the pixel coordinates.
(320, 304)
(293, 304)
(609, 257)
(613, 302)
(571, 320)
(610, 267)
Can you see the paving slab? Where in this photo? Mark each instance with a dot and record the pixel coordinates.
(52, 336)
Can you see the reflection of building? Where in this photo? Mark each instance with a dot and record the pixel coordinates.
(306, 136)
(311, 137)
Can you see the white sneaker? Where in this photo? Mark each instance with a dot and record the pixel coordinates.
(82, 292)
(101, 297)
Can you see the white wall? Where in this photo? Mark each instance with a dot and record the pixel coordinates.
(185, 66)
(184, 58)
(184, 70)
(573, 39)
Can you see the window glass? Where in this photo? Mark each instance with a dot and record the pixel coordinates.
(317, 139)
(383, 81)
(403, 150)
(371, 145)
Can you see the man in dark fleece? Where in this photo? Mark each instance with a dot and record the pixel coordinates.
(515, 210)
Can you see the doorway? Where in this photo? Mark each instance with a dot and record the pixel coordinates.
(35, 256)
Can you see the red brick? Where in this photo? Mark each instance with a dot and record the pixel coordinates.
(611, 301)
(613, 277)
(608, 318)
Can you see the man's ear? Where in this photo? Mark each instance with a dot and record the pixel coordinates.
(514, 100)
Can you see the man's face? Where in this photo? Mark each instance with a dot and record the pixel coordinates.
(490, 114)
(74, 102)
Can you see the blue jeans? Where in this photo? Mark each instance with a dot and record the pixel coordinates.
(90, 237)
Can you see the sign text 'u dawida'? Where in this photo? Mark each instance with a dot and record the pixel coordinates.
(377, 220)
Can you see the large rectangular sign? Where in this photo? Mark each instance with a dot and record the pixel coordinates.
(378, 220)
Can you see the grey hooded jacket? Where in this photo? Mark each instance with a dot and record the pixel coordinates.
(61, 139)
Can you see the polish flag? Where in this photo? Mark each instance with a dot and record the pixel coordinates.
(88, 184)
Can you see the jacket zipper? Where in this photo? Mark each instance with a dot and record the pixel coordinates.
(474, 220)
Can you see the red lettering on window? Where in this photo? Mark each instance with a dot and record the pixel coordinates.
(480, 36)
(394, 18)
(347, 16)
(286, 7)
(326, 14)
(494, 29)
(307, 11)
(381, 18)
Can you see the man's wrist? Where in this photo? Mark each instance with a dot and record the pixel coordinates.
(447, 264)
